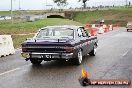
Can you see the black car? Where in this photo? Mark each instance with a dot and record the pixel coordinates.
(66, 42)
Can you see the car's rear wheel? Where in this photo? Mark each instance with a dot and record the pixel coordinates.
(127, 30)
(78, 59)
(93, 52)
(35, 61)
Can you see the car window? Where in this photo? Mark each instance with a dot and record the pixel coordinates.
(84, 32)
(79, 31)
(56, 33)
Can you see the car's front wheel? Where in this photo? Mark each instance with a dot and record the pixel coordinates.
(78, 59)
(35, 61)
(93, 52)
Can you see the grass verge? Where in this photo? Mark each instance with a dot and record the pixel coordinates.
(19, 27)
(112, 16)
(18, 39)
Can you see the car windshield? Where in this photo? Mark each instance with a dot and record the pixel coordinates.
(55, 33)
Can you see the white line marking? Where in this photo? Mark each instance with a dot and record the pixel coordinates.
(9, 71)
(126, 53)
(14, 70)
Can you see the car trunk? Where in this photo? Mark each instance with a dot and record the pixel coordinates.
(47, 46)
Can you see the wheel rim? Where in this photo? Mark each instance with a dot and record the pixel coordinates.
(80, 56)
(95, 49)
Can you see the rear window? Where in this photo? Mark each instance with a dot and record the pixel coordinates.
(56, 33)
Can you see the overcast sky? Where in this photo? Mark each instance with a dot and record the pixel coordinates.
(41, 4)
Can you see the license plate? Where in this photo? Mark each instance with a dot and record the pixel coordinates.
(48, 56)
(36, 56)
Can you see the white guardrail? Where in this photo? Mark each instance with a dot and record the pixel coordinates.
(6, 45)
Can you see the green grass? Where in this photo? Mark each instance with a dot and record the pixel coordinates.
(17, 12)
(112, 16)
(19, 27)
(17, 39)
(2, 13)
(7, 13)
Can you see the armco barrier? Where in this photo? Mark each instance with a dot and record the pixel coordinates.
(6, 45)
(100, 29)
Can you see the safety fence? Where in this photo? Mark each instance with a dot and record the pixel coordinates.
(95, 29)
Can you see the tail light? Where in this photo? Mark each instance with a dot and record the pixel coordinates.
(24, 49)
(69, 49)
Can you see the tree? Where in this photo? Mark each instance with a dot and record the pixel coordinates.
(129, 3)
(84, 3)
(60, 3)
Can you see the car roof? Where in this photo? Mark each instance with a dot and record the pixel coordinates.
(63, 26)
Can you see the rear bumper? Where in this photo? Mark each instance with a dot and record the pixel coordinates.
(47, 56)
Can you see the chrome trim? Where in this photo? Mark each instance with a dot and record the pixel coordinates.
(56, 47)
(42, 47)
(40, 55)
(52, 53)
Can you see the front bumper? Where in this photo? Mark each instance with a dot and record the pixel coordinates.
(49, 56)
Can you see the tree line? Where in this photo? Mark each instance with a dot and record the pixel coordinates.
(64, 2)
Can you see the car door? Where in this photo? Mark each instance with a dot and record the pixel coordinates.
(88, 41)
(83, 40)
(91, 41)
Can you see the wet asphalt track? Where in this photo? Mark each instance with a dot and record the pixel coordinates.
(112, 61)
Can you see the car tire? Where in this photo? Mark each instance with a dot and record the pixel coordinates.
(127, 30)
(93, 52)
(35, 61)
(78, 59)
